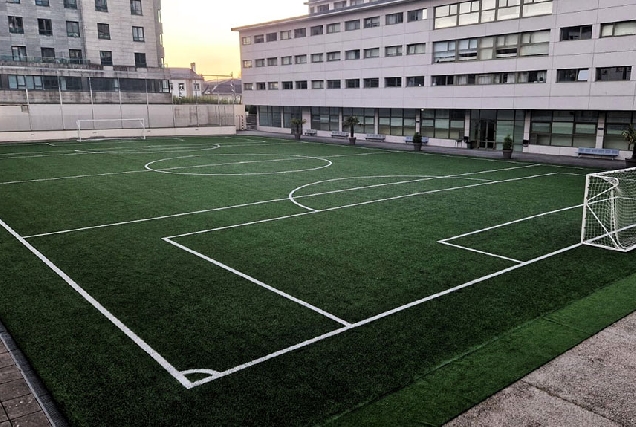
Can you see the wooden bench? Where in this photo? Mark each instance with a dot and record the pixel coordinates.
(374, 137)
(598, 152)
(311, 132)
(338, 134)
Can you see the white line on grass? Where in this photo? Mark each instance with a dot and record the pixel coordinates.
(129, 333)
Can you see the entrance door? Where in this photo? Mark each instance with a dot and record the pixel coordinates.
(486, 134)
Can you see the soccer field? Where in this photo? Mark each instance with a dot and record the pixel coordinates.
(239, 281)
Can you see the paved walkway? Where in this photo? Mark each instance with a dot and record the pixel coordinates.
(592, 385)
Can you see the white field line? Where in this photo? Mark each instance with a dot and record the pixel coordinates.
(129, 333)
(257, 282)
(60, 178)
(216, 375)
(242, 205)
(481, 252)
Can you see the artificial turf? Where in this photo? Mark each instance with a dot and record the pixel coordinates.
(348, 230)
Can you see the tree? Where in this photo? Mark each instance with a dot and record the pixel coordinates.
(351, 122)
(629, 134)
(297, 126)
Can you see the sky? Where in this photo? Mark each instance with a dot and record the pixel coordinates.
(201, 32)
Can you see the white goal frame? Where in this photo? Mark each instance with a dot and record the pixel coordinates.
(121, 126)
(609, 210)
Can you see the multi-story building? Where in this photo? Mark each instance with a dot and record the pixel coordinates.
(553, 74)
(79, 51)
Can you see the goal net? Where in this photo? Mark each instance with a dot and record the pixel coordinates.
(609, 210)
(100, 129)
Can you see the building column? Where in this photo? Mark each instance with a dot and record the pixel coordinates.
(600, 130)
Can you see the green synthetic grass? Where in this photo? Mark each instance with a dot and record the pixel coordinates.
(364, 243)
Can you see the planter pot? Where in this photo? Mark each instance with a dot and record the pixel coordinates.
(297, 135)
(352, 141)
(507, 154)
(631, 162)
(417, 146)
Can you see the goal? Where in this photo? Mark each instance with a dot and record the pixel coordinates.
(110, 128)
(609, 210)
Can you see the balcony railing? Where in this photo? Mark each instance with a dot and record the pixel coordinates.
(43, 60)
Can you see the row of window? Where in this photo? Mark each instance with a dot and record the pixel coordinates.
(336, 27)
(488, 127)
(482, 11)
(336, 5)
(566, 75)
(45, 28)
(95, 84)
(19, 53)
(100, 5)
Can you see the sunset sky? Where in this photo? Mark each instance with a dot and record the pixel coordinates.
(201, 31)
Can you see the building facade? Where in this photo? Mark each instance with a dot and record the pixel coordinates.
(81, 51)
(554, 75)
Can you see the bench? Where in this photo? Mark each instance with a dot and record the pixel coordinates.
(311, 131)
(409, 140)
(598, 152)
(374, 137)
(338, 134)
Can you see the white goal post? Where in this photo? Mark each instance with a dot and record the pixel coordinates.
(111, 128)
(609, 210)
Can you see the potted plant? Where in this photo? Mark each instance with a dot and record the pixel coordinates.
(297, 127)
(507, 147)
(351, 122)
(417, 141)
(629, 134)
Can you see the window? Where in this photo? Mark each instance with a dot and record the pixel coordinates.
(13, 1)
(580, 32)
(393, 82)
(352, 54)
(316, 30)
(48, 54)
(259, 39)
(444, 124)
(70, 4)
(16, 25)
(395, 121)
(288, 85)
(260, 86)
(624, 28)
(246, 41)
(352, 83)
(371, 82)
(301, 84)
(372, 53)
(72, 29)
(259, 63)
(334, 84)
(300, 59)
(415, 49)
(564, 128)
(248, 86)
(140, 60)
(536, 7)
(394, 18)
(270, 116)
(285, 35)
(271, 37)
(300, 32)
(473, 12)
(615, 123)
(103, 31)
(323, 8)
(247, 63)
(355, 2)
(415, 81)
(272, 62)
(415, 15)
(325, 118)
(45, 27)
(138, 34)
(372, 22)
(613, 73)
(467, 49)
(106, 57)
(316, 57)
(333, 56)
(272, 86)
(75, 56)
(393, 51)
(290, 113)
(135, 7)
(573, 75)
(446, 16)
(101, 5)
(19, 53)
(42, 2)
(444, 51)
(286, 60)
(340, 4)
(352, 25)
(333, 28)
(508, 9)
(366, 119)
(317, 84)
